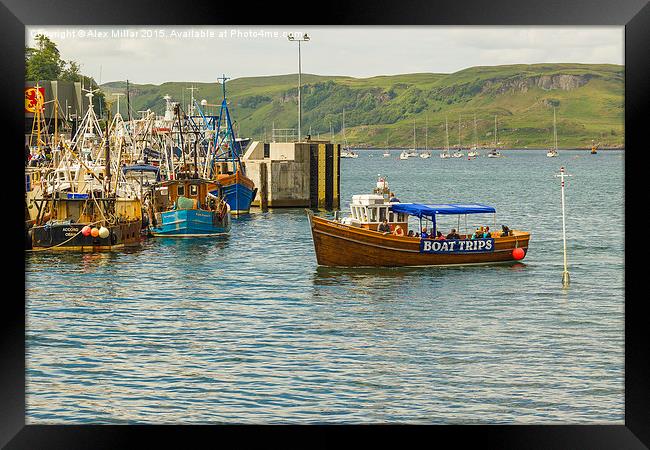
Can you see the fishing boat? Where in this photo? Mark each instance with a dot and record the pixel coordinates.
(355, 242)
(225, 163)
(425, 155)
(404, 155)
(187, 208)
(79, 207)
(494, 153)
(386, 154)
(552, 153)
(347, 153)
(445, 154)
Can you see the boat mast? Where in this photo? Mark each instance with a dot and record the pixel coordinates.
(475, 133)
(447, 134)
(495, 132)
(414, 134)
(458, 131)
(426, 133)
(554, 129)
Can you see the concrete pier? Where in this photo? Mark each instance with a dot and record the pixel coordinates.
(295, 174)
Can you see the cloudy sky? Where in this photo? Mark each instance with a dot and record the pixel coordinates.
(154, 54)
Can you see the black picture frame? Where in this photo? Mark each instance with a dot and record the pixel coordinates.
(15, 14)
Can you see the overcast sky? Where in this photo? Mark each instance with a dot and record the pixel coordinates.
(157, 54)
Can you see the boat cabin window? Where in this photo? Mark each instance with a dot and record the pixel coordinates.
(382, 214)
(194, 190)
(181, 190)
(373, 214)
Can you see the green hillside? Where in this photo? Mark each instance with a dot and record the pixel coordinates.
(379, 110)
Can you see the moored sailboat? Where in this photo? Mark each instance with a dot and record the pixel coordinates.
(552, 153)
(494, 153)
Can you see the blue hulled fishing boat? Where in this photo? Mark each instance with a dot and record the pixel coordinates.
(225, 164)
(187, 208)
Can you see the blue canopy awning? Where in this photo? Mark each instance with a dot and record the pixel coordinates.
(419, 210)
(141, 168)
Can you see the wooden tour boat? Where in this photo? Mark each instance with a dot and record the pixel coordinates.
(355, 242)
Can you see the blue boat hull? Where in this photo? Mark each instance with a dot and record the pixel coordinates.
(191, 223)
(239, 197)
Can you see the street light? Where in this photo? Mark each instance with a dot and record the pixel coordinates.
(304, 38)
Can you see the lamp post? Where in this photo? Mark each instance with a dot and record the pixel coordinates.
(566, 280)
(304, 38)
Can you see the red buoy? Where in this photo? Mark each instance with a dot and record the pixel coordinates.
(85, 231)
(518, 253)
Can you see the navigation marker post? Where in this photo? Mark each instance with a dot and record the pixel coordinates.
(566, 280)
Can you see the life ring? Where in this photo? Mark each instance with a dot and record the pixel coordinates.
(398, 231)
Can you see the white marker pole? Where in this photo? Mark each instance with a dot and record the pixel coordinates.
(566, 280)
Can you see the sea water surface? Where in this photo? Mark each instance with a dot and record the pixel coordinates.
(248, 329)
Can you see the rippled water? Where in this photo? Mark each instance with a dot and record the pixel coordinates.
(248, 329)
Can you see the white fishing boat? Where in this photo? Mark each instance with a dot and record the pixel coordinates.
(347, 153)
(404, 155)
(425, 155)
(386, 154)
(552, 153)
(494, 153)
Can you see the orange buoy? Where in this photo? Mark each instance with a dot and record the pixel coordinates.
(518, 253)
(94, 232)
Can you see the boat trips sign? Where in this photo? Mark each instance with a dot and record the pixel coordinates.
(457, 246)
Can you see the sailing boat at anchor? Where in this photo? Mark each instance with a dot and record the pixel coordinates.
(426, 153)
(474, 153)
(552, 153)
(494, 153)
(445, 154)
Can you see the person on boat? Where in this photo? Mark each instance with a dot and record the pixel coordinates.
(28, 154)
(384, 227)
(393, 198)
(486, 233)
(476, 234)
(424, 233)
(398, 231)
(453, 234)
(440, 236)
(505, 231)
(411, 233)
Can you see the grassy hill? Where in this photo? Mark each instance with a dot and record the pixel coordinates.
(381, 110)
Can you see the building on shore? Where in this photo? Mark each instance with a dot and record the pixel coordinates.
(69, 97)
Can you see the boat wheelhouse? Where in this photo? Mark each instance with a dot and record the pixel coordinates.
(369, 210)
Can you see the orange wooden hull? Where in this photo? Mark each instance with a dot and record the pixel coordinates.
(342, 245)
